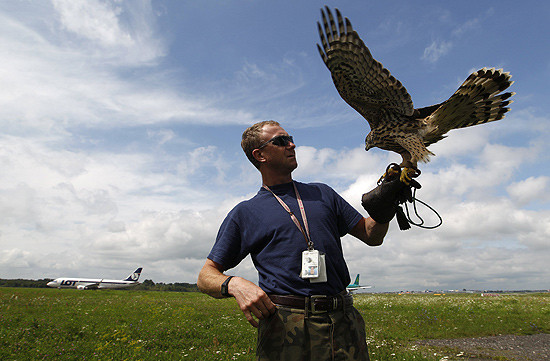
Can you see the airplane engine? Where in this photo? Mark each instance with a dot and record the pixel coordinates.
(81, 287)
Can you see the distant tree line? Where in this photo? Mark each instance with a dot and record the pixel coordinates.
(25, 283)
(147, 285)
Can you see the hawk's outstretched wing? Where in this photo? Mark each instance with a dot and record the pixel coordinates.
(476, 101)
(361, 80)
(385, 103)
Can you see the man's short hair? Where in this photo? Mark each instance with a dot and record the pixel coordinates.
(252, 139)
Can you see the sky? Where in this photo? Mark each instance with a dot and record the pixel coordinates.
(120, 127)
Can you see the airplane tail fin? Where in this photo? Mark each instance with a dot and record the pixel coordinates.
(135, 275)
(357, 280)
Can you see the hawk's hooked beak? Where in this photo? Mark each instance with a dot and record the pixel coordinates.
(368, 142)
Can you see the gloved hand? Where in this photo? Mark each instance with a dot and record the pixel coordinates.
(383, 201)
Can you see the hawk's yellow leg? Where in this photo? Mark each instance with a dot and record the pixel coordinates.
(406, 175)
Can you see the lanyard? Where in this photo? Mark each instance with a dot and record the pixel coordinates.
(293, 217)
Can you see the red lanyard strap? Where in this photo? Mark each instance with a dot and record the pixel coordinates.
(293, 217)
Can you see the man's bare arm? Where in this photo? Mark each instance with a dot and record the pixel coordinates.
(370, 232)
(252, 300)
(211, 278)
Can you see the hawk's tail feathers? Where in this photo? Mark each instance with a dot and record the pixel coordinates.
(476, 101)
(485, 83)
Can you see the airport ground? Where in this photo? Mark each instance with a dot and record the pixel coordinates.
(151, 325)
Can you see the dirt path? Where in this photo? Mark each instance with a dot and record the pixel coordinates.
(508, 347)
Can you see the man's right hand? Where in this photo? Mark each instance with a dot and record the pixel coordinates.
(252, 300)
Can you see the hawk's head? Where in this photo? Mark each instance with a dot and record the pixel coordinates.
(369, 142)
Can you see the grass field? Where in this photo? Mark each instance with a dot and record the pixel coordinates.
(42, 324)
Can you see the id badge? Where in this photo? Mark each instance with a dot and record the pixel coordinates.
(310, 264)
(322, 271)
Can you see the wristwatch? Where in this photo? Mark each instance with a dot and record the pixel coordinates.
(225, 288)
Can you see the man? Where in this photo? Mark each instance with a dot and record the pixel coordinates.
(292, 231)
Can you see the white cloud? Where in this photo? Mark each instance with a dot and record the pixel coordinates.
(162, 135)
(111, 39)
(466, 27)
(80, 84)
(94, 20)
(460, 142)
(532, 189)
(436, 50)
(102, 172)
(473, 24)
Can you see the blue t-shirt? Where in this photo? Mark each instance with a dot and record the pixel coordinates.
(262, 228)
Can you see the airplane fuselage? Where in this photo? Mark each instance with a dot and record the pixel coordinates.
(95, 283)
(89, 283)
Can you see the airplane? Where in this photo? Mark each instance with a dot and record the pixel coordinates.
(95, 283)
(355, 285)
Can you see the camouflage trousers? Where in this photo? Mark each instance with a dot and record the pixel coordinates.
(335, 335)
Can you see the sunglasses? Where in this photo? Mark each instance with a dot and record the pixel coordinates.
(280, 141)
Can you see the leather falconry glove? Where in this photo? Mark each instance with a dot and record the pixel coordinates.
(382, 203)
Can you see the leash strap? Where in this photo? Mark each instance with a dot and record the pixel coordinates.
(305, 229)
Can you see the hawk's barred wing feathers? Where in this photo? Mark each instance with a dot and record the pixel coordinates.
(476, 101)
(384, 102)
(361, 80)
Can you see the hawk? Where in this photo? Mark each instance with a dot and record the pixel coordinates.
(395, 125)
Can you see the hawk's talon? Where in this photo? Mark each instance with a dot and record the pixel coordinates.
(407, 174)
(390, 171)
(405, 177)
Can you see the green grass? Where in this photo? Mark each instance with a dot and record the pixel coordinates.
(393, 321)
(38, 324)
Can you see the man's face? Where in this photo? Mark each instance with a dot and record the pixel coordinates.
(278, 156)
